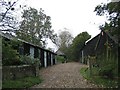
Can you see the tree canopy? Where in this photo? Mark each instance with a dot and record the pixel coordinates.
(64, 40)
(36, 27)
(112, 12)
(71, 46)
(78, 43)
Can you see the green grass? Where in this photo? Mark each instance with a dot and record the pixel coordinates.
(21, 83)
(98, 80)
(60, 59)
(84, 72)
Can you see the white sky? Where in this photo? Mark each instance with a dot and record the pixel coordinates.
(75, 15)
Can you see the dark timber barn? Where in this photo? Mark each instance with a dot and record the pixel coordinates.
(98, 47)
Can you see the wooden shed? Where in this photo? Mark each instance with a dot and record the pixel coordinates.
(46, 57)
(88, 49)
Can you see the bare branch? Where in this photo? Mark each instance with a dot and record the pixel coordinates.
(8, 10)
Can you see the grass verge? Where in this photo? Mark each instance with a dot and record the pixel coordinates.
(21, 83)
(100, 81)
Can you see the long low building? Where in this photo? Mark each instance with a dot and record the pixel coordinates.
(46, 57)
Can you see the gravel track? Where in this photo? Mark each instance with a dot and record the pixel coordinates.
(65, 75)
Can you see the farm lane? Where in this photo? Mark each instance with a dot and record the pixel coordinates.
(65, 75)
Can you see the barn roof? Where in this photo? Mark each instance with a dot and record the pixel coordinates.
(11, 37)
(94, 44)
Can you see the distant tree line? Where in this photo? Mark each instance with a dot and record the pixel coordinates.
(71, 46)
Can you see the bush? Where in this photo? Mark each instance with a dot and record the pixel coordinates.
(21, 83)
(60, 59)
(26, 59)
(10, 56)
(107, 71)
(98, 80)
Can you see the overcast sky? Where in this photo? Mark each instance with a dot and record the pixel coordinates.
(75, 15)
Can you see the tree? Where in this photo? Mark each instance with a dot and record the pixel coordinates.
(64, 41)
(112, 12)
(78, 43)
(8, 19)
(36, 27)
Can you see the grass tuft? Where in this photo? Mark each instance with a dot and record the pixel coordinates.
(98, 80)
(21, 83)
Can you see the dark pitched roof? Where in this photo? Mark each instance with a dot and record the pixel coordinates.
(94, 44)
(105, 37)
(89, 47)
(112, 37)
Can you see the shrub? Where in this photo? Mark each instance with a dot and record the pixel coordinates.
(21, 83)
(26, 59)
(60, 59)
(10, 56)
(107, 71)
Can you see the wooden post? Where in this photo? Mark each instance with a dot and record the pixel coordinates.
(37, 70)
(0, 62)
(107, 49)
(90, 67)
(82, 57)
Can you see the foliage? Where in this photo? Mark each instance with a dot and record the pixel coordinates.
(108, 68)
(60, 59)
(10, 56)
(107, 71)
(21, 83)
(64, 41)
(71, 46)
(84, 72)
(78, 43)
(98, 80)
(30, 61)
(112, 12)
(36, 27)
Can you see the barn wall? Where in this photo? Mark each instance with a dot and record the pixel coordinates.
(51, 59)
(26, 49)
(42, 57)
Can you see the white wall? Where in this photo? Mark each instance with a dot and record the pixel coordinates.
(32, 52)
(45, 59)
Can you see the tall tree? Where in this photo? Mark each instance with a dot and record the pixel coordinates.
(36, 27)
(78, 43)
(64, 41)
(112, 12)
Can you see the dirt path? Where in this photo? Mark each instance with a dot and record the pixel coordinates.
(65, 75)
